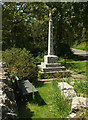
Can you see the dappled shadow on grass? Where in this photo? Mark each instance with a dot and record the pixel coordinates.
(38, 83)
(22, 101)
(78, 57)
(23, 111)
(35, 99)
(69, 65)
(38, 99)
(79, 67)
(32, 98)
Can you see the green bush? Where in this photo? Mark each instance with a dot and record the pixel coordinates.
(63, 50)
(21, 63)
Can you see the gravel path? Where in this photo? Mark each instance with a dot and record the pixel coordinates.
(80, 52)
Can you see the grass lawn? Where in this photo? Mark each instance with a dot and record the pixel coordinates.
(77, 66)
(80, 67)
(81, 46)
(47, 104)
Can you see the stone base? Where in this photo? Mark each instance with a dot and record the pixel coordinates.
(50, 59)
(51, 69)
(53, 74)
(50, 65)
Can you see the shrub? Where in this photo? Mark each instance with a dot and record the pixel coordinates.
(63, 50)
(21, 63)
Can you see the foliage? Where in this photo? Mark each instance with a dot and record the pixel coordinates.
(77, 66)
(25, 24)
(81, 46)
(63, 50)
(81, 87)
(20, 63)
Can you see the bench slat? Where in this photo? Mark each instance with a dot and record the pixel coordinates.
(27, 88)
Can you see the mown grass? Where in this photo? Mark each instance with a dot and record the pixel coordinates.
(47, 104)
(81, 46)
(77, 66)
(80, 67)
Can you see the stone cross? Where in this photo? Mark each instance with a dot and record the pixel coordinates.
(50, 36)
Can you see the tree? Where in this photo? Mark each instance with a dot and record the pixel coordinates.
(26, 24)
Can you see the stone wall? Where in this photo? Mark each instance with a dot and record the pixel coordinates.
(78, 105)
(8, 106)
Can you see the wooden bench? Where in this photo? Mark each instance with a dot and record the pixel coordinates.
(26, 87)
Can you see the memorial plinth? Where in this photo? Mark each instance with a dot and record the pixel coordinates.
(50, 59)
(50, 64)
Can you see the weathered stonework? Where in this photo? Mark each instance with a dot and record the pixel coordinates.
(50, 38)
(79, 103)
(50, 59)
(67, 90)
(8, 106)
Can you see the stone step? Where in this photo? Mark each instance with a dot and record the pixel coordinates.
(52, 72)
(48, 69)
(53, 65)
(49, 64)
(45, 65)
(47, 80)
